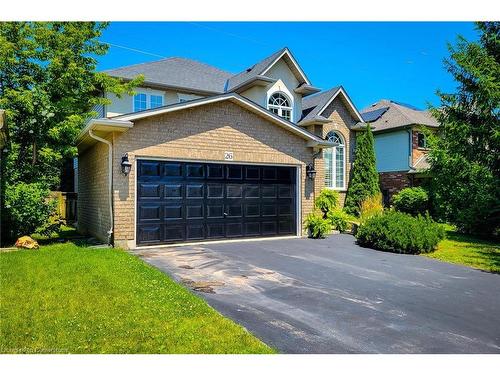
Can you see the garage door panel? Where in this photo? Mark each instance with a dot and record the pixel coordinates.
(184, 201)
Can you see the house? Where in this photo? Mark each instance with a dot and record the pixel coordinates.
(400, 144)
(201, 154)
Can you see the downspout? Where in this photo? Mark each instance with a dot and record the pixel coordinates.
(110, 182)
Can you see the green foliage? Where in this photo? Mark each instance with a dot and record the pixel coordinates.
(30, 209)
(371, 206)
(49, 87)
(465, 153)
(400, 233)
(339, 220)
(412, 201)
(327, 200)
(364, 181)
(317, 226)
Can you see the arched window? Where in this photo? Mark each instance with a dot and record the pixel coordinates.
(280, 104)
(335, 162)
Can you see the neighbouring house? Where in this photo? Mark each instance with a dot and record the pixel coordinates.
(400, 144)
(202, 154)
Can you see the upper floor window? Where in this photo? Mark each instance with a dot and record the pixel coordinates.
(156, 101)
(140, 102)
(421, 140)
(144, 101)
(335, 162)
(280, 104)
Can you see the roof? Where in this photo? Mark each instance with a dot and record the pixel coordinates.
(388, 114)
(421, 165)
(314, 105)
(177, 72)
(124, 121)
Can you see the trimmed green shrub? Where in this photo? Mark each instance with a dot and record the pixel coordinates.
(327, 201)
(364, 182)
(317, 226)
(412, 201)
(30, 209)
(339, 220)
(400, 233)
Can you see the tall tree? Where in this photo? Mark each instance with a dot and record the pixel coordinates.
(49, 87)
(465, 154)
(364, 179)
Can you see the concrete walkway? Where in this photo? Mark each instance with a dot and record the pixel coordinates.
(332, 296)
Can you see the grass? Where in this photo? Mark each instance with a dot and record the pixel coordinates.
(468, 251)
(65, 298)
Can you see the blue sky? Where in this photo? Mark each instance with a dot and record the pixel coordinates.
(372, 60)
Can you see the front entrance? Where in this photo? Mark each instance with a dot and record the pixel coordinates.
(184, 201)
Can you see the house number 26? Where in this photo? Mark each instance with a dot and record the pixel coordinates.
(228, 155)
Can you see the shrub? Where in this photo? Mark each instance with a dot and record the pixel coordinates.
(317, 226)
(412, 201)
(339, 220)
(400, 233)
(371, 206)
(364, 182)
(327, 200)
(30, 209)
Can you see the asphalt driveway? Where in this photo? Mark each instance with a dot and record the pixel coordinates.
(332, 296)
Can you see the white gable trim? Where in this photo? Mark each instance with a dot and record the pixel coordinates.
(287, 52)
(351, 105)
(235, 98)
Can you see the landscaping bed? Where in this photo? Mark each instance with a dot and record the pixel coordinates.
(69, 299)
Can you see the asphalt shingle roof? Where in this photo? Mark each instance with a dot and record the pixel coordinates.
(312, 105)
(177, 72)
(397, 115)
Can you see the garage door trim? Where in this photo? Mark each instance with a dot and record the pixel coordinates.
(298, 192)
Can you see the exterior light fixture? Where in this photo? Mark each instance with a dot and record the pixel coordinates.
(126, 165)
(310, 171)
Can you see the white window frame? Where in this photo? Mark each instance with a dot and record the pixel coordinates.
(281, 108)
(148, 100)
(333, 178)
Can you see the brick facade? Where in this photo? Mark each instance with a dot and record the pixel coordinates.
(417, 152)
(392, 182)
(203, 134)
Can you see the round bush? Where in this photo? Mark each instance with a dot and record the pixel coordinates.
(339, 220)
(400, 233)
(412, 201)
(29, 208)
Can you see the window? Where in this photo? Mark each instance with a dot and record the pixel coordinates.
(421, 140)
(280, 104)
(335, 162)
(156, 101)
(140, 103)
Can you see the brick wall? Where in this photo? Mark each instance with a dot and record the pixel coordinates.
(93, 203)
(417, 152)
(393, 182)
(341, 121)
(203, 133)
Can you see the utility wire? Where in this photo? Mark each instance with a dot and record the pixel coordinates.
(134, 50)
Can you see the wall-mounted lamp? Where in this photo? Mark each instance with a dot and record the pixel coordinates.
(126, 165)
(310, 171)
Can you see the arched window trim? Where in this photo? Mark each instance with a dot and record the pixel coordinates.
(281, 110)
(330, 156)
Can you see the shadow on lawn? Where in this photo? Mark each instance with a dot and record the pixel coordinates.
(67, 234)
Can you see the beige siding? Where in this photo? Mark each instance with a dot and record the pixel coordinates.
(204, 134)
(93, 204)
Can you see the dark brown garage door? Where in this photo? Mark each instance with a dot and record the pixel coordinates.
(178, 201)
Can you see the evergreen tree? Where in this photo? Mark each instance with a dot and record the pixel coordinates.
(364, 178)
(465, 154)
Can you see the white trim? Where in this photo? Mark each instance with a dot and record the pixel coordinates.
(341, 90)
(287, 52)
(334, 163)
(298, 199)
(280, 108)
(232, 96)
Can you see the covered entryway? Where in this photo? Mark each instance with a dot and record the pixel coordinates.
(184, 201)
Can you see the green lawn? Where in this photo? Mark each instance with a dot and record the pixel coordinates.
(468, 251)
(69, 299)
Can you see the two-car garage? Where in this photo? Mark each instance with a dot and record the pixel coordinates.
(189, 201)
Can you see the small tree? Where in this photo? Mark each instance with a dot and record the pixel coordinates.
(364, 180)
(465, 155)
